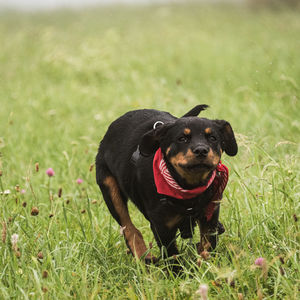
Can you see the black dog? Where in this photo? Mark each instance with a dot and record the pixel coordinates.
(170, 168)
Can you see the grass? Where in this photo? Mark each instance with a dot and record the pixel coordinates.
(66, 75)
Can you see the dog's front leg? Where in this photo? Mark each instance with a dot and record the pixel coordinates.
(209, 231)
(165, 237)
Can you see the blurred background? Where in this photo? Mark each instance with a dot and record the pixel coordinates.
(76, 59)
(54, 4)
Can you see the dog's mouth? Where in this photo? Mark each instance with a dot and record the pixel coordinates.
(196, 167)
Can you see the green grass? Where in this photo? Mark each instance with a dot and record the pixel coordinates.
(64, 76)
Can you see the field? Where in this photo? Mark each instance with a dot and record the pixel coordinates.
(65, 75)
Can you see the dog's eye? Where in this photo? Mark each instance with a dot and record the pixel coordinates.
(183, 139)
(212, 138)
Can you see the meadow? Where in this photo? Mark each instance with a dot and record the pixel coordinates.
(66, 75)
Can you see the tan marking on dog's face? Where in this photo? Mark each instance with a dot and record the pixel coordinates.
(207, 130)
(187, 131)
(175, 160)
(179, 158)
(132, 235)
(174, 220)
(190, 177)
(213, 158)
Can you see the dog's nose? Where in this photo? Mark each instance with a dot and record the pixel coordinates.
(201, 150)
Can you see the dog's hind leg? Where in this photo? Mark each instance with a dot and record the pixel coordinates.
(117, 205)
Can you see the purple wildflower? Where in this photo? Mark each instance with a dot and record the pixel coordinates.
(259, 261)
(79, 181)
(50, 172)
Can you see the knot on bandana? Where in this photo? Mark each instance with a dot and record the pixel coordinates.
(166, 184)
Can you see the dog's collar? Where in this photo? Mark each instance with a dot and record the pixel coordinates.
(166, 185)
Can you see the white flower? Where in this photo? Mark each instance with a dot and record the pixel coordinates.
(202, 291)
(6, 192)
(14, 241)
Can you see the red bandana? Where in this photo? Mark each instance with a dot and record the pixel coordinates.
(166, 185)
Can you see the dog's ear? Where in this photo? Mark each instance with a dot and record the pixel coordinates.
(151, 140)
(194, 112)
(228, 143)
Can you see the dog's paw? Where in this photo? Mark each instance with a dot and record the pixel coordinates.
(150, 259)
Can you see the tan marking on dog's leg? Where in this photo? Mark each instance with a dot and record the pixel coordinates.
(132, 235)
(204, 244)
(173, 221)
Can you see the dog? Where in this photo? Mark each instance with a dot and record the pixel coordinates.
(171, 169)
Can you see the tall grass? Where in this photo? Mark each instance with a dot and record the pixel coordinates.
(66, 75)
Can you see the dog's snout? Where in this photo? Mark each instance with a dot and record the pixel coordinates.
(201, 150)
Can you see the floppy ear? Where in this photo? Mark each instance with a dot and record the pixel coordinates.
(228, 140)
(194, 112)
(151, 140)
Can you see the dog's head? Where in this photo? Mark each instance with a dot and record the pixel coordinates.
(192, 146)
